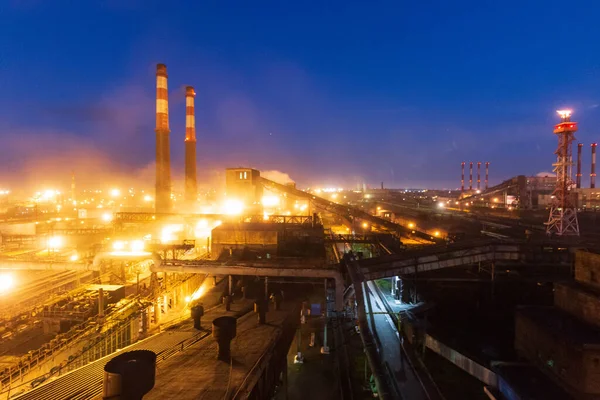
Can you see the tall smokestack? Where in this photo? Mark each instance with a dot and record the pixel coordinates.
(593, 173)
(479, 175)
(471, 175)
(462, 177)
(163, 151)
(578, 175)
(191, 190)
(487, 173)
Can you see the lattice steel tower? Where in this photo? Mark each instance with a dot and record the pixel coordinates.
(563, 214)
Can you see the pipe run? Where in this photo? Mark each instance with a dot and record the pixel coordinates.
(269, 271)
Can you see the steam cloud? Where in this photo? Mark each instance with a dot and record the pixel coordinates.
(277, 176)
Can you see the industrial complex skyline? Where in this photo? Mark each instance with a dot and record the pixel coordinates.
(299, 200)
(374, 96)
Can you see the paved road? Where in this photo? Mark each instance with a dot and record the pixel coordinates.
(407, 382)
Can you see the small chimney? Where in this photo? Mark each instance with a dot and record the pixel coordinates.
(224, 330)
(487, 170)
(129, 375)
(260, 308)
(197, 312)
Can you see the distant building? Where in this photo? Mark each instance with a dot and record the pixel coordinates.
(243, 184)
(564, 340)
(588, 199)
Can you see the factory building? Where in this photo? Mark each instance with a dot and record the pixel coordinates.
(253, 241)
(243, 184)
(564, 340)
(588, 199)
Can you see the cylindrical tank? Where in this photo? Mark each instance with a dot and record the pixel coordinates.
(224, 330)
(129, 375)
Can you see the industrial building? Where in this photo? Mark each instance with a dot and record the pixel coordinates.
(564, 340)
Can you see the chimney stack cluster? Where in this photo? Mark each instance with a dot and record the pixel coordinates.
(163, 150)
(579, 173)
(462, 176)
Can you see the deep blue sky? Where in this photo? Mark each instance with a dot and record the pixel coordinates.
(330, 92)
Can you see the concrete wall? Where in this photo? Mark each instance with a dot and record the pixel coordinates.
(557, 358)
(587, 268)
(582, 304)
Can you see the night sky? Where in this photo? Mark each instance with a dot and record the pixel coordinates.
(330, 92)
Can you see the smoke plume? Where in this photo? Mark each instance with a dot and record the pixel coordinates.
(277, 176)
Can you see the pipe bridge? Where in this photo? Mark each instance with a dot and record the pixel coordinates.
(433, 258)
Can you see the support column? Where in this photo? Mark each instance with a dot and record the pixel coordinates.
(267, 288)
(230, 285)
(156, 312)
(101, 302)
(299, 358)
(325, 348)
(145, 321)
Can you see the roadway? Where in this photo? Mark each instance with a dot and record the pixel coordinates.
(405, 381)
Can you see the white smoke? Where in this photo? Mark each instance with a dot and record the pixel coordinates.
(277, 176)
(546, 175)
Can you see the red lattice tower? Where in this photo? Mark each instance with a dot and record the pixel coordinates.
(563, 214)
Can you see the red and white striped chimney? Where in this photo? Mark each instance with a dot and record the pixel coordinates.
(487, 173)
(462, 177)
(578, 174)
(471, 175)
(163, 151)
(593, 173)
(191, 191)
(479, 175)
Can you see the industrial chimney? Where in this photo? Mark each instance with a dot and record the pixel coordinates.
(487, 173)
(593, 173)
(462, 177)
(191, 190)
(578, 175)
(471, 175)
(478, 175)
(163, 151)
